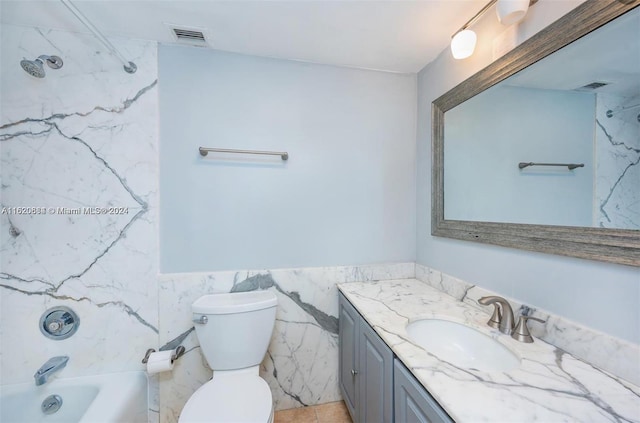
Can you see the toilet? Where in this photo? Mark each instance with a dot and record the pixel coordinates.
(234, 330)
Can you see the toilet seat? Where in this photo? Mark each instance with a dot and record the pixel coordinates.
(241, 398)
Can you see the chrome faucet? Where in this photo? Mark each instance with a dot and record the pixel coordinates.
(52, 365)
(502, 317)
(521, 332)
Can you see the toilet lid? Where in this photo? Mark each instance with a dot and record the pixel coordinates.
(238, 399)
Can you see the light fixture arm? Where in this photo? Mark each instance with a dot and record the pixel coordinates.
(476, 17)
(481, 13)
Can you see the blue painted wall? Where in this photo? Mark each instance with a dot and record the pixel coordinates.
(345, 196)
(599, 295)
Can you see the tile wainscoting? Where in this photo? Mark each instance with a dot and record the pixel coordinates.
(301, 365)
(302, 362)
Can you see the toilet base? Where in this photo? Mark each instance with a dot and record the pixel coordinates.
(241, 397)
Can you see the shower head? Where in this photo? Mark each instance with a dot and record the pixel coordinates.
(35, 68)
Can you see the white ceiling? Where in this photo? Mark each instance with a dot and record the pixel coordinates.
(391, 35)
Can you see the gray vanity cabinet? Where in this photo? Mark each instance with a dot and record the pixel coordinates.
(349, 320)
(375, 386)
(376, 377)
(413, 404)
(366, 368)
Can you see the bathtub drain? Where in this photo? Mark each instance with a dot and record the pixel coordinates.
(51, 404)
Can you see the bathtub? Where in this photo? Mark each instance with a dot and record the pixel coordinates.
(109, 398)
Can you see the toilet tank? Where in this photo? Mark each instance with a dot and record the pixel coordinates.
(238, 327)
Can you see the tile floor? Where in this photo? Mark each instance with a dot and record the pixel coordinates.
(333, 412)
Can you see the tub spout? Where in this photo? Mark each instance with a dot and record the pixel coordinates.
(52, 365)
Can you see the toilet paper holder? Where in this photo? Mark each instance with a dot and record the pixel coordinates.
(177, 353)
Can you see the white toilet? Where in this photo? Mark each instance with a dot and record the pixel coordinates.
(234, 332)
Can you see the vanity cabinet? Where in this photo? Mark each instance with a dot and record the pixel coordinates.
(348, 322)
(366, 368)
(376, 386)
(412, 403)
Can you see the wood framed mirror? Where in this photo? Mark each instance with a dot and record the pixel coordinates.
(596, 241)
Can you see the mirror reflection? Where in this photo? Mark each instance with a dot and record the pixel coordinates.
(555, 144)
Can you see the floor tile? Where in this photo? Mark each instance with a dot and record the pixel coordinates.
(333, 412)
(296, 415)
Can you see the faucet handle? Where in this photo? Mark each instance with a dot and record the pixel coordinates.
(521, 332)
(496, 317)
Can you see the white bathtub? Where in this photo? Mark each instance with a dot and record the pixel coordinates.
(109, 398)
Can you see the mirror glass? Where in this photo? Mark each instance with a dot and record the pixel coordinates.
(557, 143)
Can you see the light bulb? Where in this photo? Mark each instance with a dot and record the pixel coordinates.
(463, 44)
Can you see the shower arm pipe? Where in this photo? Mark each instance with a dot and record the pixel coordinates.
(129, 67)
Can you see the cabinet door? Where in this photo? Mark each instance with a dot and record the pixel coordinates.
(348, 347)
(376, 377)
(413, 404)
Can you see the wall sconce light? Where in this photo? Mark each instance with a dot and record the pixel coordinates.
(463, 42)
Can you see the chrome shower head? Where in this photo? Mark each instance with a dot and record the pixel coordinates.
(35, 68)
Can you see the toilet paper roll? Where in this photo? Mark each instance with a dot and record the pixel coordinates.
(160, 362)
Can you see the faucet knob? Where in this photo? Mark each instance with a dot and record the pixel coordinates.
(521, 332)
(55, 326)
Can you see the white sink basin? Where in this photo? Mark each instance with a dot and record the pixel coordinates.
(462, 346)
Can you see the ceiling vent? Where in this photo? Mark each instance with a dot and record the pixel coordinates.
(593, 86)
(192, 36)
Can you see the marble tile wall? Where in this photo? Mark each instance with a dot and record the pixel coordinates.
(617, 203)
(617, 356)
(85, 136)
(301, 365)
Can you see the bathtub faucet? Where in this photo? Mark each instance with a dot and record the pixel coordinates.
(50, 367)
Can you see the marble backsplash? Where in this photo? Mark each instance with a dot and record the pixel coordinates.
(85, 136)
(617, 356)
(301, 365)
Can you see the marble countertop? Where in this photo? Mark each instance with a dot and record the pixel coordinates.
(550, 385)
